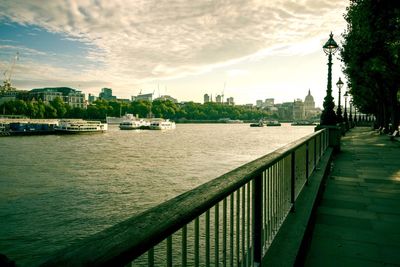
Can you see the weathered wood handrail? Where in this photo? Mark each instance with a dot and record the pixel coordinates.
(125, 241)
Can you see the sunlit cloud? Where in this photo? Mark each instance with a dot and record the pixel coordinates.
(133, 42)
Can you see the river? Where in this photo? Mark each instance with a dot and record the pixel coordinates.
(56, 190)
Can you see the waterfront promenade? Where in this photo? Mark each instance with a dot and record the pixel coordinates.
(358, 220)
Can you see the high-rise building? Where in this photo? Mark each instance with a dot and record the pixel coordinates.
(106, 94)
(230, 101)
(218, 99)
(269, 102)
(206, 98)
(259, 103)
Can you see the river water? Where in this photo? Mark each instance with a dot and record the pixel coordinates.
(56, 190)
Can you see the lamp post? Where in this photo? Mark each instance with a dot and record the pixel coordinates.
(328, 116)
(350, 115)
(346, 119)
(339, 117)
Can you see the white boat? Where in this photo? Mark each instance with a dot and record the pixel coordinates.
(119, 120)
(134, 124)
(162, 125)
(80, 126)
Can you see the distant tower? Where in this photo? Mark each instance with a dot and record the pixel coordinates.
(206, 98)
(218, 99)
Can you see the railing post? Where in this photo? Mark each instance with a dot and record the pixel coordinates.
(307, 156)
(293, 180)
(315, 152)
(257, 218)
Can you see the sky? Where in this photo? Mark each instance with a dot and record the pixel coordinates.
(248, 50)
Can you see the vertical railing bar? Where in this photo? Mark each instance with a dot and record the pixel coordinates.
(196, 242)
(216, 237)
(275, 199)
(248, 251)
(184, 245)
(315, 153)
(208, 238)
(238, 227)
(243, 222)
(150, 257)
(282, 210)
(231, 226)
(169, 251)
(307, 171)
(224, 226)
(270, 203)
(293, 180)
(263, 214)
(256, 222)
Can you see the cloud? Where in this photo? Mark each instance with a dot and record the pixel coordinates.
(144, 40)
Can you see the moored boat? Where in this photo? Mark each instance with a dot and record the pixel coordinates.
(134, 124)
(162, 124)
(259, 124)
(119, 120)
(303, 123)
(273, 123)
(80, 127)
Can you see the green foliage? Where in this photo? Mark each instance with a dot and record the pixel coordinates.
(163, 109)
(370, 53)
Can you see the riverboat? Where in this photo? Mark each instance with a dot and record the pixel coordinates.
(273, 123)
(80, 127)
(12, 127)
(134, 124)
(162, 125)
(119, 120)
(303, 123)
(259, 124)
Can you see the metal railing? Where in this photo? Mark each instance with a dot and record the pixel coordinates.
(229, 221)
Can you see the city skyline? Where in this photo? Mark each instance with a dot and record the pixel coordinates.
(248, 50)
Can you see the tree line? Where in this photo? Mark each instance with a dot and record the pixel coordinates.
(371, 56)
(100, 109)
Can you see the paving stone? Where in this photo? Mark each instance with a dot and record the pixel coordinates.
(358, 219)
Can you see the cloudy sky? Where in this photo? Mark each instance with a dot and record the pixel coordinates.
(249, 49)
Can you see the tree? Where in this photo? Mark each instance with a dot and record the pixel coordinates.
(370, 53)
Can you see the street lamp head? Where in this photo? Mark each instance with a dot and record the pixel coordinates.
(346, 94)
(330, 47)
(339, 84)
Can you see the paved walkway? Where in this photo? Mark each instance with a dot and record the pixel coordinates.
(358, 219)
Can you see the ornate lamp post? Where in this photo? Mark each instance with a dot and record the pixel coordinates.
(328, 116)
(339, 117)
(350, 115)
(346, 119)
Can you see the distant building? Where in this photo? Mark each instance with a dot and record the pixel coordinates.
(230, 101)
(298, 110)
(285, 110)
(259, 103)
(106, 94)
(218, 99)
(269, 102)
(166, 97)
(92, 98)
(309, 106)
(72, 97)
(206, 98)
(147, 97)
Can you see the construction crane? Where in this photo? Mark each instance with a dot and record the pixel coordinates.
(8, 72)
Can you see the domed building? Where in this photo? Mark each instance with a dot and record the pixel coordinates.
(309, 106)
